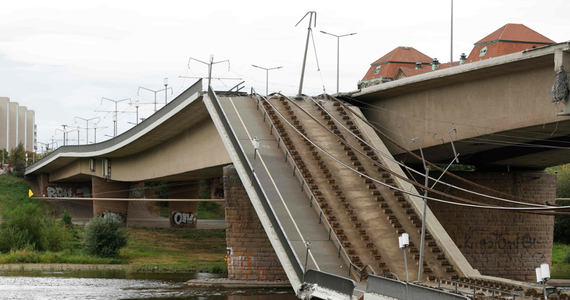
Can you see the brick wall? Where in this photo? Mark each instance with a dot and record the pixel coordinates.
(499, 243)
(253, 257)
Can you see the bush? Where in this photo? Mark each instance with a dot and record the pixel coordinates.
(105, 237)
(28, 226)
(66, 218)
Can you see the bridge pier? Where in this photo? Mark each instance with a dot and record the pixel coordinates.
(103, 188)
(500, 243)
(250, 254)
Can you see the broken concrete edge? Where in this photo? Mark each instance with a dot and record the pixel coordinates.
(432, 224)
(238, 284)
(295, 282)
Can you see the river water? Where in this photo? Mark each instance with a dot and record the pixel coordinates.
(96, 285)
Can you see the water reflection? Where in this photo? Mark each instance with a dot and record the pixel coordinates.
(97, 285)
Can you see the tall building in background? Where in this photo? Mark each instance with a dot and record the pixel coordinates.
(4, 121)
(17, 125)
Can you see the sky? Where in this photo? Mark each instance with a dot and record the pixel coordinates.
(60, 58)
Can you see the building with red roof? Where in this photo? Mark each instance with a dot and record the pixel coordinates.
(404, 62)
(508, 39)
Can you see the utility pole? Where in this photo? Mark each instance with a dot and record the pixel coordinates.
(311, 13)
(87, 127)
(267, 76)
(165, 89)
(115, 116)
(209, 64)
(338, 54)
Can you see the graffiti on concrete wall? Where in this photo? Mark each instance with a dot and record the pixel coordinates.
(496, 242)
(114, 216)
(178, 218)
(244, 262)
(69, 192)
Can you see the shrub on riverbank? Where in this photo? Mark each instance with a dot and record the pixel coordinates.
(105, 237)
(28, 226)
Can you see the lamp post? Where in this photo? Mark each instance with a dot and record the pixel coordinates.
(115, 125)
(267, 76)
(542, 275)
(137, 104)
(87, 127)
(165, 90)
(338, 54)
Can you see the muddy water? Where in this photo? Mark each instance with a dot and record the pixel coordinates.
(95, 285)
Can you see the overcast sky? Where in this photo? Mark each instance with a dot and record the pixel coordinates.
(60, 58)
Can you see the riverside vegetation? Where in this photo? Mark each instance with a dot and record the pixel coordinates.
(30, 234)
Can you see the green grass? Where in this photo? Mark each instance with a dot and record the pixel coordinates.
(175, 250)
(148, 250)
(560, 269)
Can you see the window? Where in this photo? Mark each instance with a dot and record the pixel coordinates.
(377, 70)
(483, 51)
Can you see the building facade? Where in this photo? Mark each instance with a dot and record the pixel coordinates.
(17, 125)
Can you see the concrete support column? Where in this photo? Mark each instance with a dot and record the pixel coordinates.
(250, 254)
(101, 188)
(500, 243)
(183, 214)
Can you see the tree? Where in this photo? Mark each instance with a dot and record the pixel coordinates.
(562, 223)
(18, 160)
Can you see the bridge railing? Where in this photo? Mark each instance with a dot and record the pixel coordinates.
(494, 292)
(400, 290)
(282, 236)
(359, 272)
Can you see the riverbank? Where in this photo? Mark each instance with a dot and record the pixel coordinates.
(150, 250)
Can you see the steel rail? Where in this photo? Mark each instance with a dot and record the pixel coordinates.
(304, 185)
(474, 203)
(419, 158)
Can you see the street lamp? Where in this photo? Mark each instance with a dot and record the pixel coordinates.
(267, 76)
(338, 54)
(542, 275)
(404, 241)
(165, 89)
(115, 125)
(137, 104)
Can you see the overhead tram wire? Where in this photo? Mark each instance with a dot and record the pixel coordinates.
(468, 203)
(427, 162)
(403, 165)
(377, 108)
(398, 175)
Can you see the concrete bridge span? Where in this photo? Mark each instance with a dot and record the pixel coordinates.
(501, 110)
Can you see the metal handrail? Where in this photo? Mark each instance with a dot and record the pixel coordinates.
(475, 286)
(304, 183)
